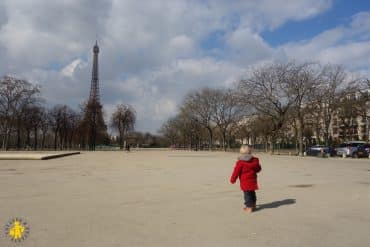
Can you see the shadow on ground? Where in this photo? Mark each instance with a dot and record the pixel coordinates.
(276, 204)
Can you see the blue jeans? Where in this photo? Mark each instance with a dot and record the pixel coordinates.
(250, 198)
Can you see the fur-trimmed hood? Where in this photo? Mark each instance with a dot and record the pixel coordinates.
(245, 157)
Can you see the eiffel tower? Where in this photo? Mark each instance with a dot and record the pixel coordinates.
(96, 129)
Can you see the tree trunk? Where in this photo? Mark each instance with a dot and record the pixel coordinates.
(326, 137)
(3, 140)
(66, 140)
(83, 142)
(43, 140)
(300, 129)
(224, 140)
(300, 137)
(61, 137)
(71, 140)
(272, 140)
(326, 130)
(6, 137)
(28, 139)
(121, 141)
(35, 141)
(210, 138)
(6, 143)
(18, 138)
(266, 144)
(55, 139)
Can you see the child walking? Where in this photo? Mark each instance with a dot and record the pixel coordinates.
(246, 169)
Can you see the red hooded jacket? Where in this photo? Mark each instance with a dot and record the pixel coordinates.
(246, 170)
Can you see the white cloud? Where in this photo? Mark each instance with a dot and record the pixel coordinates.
(163, 109)
(361, 21)
(346, 44)
(155, 94)
(354, 55)
(243, 38)
(279, 11)
(182, 45)
(69, 70)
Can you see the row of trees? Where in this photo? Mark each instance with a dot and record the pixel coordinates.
(26, 122)
(204, 115)
(292, 103)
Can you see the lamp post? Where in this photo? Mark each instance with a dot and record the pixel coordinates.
(367, 128)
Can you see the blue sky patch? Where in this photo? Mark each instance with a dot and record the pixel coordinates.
(340, 14)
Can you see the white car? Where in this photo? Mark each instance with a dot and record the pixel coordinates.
(347, 149)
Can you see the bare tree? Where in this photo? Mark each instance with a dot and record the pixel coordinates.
(347, 116)
(327, 96)
(362, 104)
(261, 129)
(44, 126)
(123, 120)
(32, 122)
(55, 118)
(191, 130)
(268, 92)
(184, 131)
(170, 131)
(74, 120)
(228, 112)
(302, 84)
(200, 106)
(15, 94)
(65, 124)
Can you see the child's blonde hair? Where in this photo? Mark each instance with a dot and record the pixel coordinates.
(245, 149)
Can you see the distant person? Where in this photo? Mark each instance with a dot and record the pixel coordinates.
(128, 147)
(246, 169)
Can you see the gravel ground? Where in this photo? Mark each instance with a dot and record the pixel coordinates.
(178, 198)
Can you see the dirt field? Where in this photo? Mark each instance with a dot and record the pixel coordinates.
(177, 198)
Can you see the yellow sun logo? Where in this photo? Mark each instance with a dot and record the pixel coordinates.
(17, 230)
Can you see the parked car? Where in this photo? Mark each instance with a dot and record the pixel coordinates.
(367, 147)
(348, 149)
(317, 149)
(362, 151)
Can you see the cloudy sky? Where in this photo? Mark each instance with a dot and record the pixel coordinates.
(153, 52)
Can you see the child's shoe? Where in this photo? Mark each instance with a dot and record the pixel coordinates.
(248, 210)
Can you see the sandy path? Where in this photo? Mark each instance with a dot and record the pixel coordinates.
(184, 199)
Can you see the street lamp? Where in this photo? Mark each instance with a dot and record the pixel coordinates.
(367, 128)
